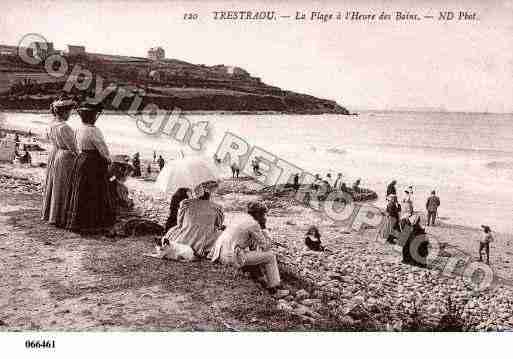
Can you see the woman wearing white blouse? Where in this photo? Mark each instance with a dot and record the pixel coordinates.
(90, 208)
(60, 164)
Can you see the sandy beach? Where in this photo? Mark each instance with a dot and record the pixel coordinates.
(57, 280)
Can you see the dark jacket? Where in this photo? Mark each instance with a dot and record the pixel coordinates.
(432, 204)
(391, 189)
(313, 245)
(394, 209)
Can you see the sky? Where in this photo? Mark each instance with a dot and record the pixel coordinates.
(457, 65)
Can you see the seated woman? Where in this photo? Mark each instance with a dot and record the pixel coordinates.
(118, 174)
(180, 194)
(198, 223)
(244, 244)
(313, 239)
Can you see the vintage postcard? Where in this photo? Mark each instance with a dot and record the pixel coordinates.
(256, 166)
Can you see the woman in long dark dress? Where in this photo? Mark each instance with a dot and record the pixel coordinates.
(90, 208)
(415, 248)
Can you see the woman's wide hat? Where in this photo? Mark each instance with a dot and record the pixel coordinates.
(63, 104)
(87, 106)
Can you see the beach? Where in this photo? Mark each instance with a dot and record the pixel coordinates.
(95, 283)
(466, 158)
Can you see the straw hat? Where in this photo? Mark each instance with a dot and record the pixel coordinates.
(62, 104)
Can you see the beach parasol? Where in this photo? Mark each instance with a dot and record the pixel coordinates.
(187, 172)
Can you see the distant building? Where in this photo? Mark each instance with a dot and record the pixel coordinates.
(156, 53)
(42, 50)
(76, 50)
(231, 70)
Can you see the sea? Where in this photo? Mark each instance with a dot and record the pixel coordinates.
(467, 158)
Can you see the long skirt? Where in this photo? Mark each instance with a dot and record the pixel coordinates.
(90, 208)
(48, 179)
(57, 187)
(390, 225)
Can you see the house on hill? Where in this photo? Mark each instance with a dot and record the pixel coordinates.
(76, 50)
(156, 53)
(231, 71)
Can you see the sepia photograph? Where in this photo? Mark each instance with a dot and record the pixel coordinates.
(339, 171)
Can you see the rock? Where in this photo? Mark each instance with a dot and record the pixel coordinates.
(357, 312)
(301, 310)
(302, 294)
(315, 315)
(308, 319)
(283, 305)
(358, 299)
(310, 302)
(332, 303)
(281, 293)
(346, 321)
(335, 275)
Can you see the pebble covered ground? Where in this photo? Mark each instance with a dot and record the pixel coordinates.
(360, 282)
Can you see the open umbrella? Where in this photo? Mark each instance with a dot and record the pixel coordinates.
(186, 172)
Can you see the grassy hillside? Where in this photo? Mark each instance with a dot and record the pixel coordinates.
(167, 83)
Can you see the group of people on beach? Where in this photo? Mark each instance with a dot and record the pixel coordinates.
(235, 168)
(196, 225)
(403, 225)
(21, 152)
(77, 189)
(328, 184)
(83, 190)
(136, 164)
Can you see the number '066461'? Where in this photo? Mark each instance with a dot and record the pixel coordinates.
(40, 344)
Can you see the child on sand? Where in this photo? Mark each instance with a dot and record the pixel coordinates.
(484, 243)
(313, 239)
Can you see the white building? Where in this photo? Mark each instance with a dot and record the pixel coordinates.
(156, 53)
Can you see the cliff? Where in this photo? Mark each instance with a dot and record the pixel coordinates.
(167, 83)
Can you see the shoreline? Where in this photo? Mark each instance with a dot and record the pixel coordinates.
(121, 150)
(189, 112)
